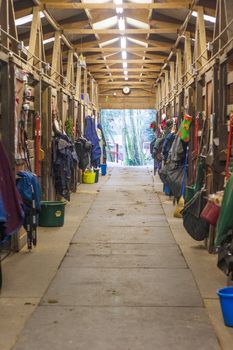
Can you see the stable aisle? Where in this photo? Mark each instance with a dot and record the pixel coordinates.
(124, 284)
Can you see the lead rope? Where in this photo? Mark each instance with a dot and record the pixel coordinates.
(229, 147)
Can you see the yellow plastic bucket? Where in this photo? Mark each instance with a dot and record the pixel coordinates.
(88, 177)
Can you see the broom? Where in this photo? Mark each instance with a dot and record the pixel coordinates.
(180, 204)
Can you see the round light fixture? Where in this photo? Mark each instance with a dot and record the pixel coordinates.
(126, 90)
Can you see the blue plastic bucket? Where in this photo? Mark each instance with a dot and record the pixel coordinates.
(103, 169)
(226, 300)
(166, 190)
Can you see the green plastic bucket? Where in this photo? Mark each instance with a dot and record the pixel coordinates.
(52, 214)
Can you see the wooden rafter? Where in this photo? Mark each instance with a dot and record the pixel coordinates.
(72, 30)
(112, 6)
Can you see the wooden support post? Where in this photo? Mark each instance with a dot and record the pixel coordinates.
(78, 83)
(4, 21)
(69, 75)
(202, 34)
(224, 15)
(179, 70)
(172, 77)
(159, 95)
(46, 140)
(43, 57)
(85, 87)
(156, 98)
(166, 83)
(200, 39)
(91, 89)
(55, 69)
(188, 56)
(229, 15)
(7, 120)
(162, 91)
(33, 35)
(12, 27)
(97, 96)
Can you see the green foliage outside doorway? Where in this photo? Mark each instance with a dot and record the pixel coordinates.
(130, 130)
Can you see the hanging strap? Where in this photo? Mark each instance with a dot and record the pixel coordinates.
(229, 147)
(185, 171)
(196, 127)
(37, 136)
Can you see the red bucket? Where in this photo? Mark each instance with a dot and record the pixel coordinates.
(210, 213)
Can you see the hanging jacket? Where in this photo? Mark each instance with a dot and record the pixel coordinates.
(157, 149)
(10, 196)
(83, 149)
(3, 219)
(152, 146)
(168, 141)
(64, 160)
(91, 135)
(27, 185)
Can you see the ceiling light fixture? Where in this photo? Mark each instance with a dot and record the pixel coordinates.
(124, 55)
(125, 72)
(119, 10)
(126, 78)
(121, 23)
(125, 65)
(123, 42)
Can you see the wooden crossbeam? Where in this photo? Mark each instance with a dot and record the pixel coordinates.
(113, 6)
(139, 61)
(126, 82)
(104, 77)
(122, 78)
(156, 69)
(72, 30)
(128, 49)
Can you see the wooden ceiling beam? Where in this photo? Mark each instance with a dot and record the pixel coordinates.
(70, 30)
(139, 61)
(133, 76)
(112, 6)
(128, 49)
(117, 70)
(126, 82)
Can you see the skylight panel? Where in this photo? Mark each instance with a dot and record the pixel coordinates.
(138, 42)
(96, 1)
(26, 19)
(206, 17)
(108, 42)
(141, 1)
(106, 23)
(138, 24)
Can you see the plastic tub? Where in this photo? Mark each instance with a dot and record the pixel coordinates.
(103, 169)
(52, 214)
(226, 300)
(89, 177)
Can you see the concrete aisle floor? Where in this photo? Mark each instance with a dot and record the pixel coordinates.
(124, 283)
